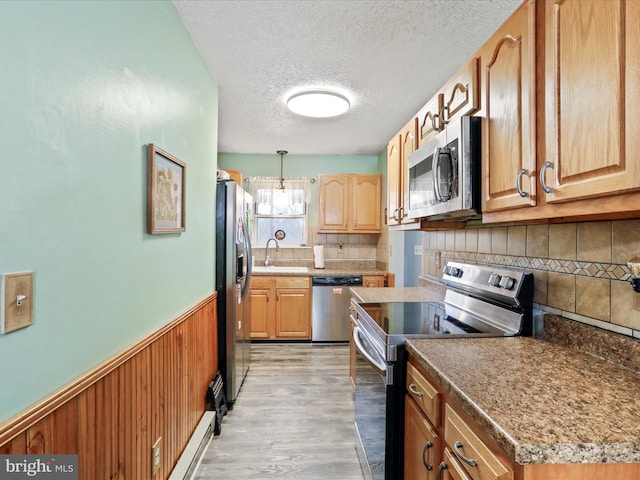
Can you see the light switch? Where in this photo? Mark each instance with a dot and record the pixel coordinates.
(17, 301)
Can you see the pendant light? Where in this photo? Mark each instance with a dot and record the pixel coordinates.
(282, 153)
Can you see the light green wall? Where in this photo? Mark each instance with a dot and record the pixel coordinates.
(84, 86)
(298, 165)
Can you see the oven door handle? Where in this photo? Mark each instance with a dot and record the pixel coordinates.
(357, 339)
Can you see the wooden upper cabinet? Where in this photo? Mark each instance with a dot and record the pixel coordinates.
(592, 98)
(429, 119)
(398, 151)
(408, 145)
(365, 194)
(349, 203)
(460, 93)
(508, 96)
(333, 210)
(394, 187)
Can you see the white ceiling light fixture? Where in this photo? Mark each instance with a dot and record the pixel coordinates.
(318, 103)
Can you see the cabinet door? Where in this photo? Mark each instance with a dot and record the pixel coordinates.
(429, 119)
(293, 319)
(421, 444)
(366, 200)
(394, 191)
(461, 93)
(592, 98)
(334, 200)
(371, 281)
(408, 145)
(261, 319)
(507, 66)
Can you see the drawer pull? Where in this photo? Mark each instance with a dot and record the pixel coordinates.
(427, 446)
(469, 461)
(442, 466)
(412, 389)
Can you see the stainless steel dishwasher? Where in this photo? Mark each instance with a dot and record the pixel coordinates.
(330, 307)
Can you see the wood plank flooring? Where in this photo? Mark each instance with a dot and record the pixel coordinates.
(293, 419)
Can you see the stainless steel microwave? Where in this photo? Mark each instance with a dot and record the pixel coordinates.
(445, 175)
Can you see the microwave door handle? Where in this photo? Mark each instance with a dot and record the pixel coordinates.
(436, 174)
(442, 152)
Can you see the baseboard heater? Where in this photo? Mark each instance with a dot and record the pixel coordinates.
(202, 435)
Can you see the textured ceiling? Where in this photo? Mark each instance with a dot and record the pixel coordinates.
(389, 57)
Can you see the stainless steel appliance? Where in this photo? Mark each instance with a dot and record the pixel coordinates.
(444, 174)
(479, 302)
(233, 276)
(330, 307)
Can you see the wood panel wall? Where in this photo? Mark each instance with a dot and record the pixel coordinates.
(113, 415)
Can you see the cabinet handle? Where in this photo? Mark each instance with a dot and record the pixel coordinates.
(519, 182)
(427, 446)
(268, 297)
(469, 461)
(445, 108)
(442, 466)
(277, 296)
(412, 389)
(545, 187)
(400, 213)
(434, 120)
(355, 223)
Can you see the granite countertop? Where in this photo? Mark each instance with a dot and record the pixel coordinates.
(542, 402)
(431, 293)
(324, 272)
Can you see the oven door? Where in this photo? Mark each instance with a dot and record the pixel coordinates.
(379, 410)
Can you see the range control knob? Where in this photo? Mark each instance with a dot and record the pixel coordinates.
(507, 283)
(494, 280)
(447, 270)
(455, 272)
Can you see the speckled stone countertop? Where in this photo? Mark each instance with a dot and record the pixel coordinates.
(431, 293)
(324, 272)
(542, 402)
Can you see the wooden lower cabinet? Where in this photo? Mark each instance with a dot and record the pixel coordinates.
(459, 436)
(373, 281)
(280, 308)
(422, 444)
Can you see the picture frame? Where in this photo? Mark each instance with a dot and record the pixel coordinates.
(166, 192)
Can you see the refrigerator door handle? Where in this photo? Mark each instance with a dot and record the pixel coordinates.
(246, 281)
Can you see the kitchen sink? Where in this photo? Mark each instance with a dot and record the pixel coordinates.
(279, 269)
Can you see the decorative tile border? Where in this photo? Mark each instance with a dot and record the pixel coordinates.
(573, 267)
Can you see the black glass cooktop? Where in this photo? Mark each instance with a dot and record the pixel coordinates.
(416, 318)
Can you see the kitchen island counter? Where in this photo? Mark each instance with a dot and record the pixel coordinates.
(542, 402)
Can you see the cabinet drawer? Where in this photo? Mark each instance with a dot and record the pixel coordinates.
(452, 470)
(424, 394)
(292, 282)
(465, 444)
(261, 282)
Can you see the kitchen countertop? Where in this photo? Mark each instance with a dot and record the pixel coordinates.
(324, 272)
(433, 293)
(542, 402)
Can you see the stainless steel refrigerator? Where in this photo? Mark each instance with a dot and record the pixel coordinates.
(233, 276)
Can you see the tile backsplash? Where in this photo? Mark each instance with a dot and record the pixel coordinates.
(580, 269)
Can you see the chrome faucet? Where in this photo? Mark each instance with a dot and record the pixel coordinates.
(266, 253)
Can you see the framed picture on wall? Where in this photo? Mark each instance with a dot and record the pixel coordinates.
(166, 192)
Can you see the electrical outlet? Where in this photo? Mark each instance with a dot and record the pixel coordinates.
(156, 457)
(417, 249)
(17, 301)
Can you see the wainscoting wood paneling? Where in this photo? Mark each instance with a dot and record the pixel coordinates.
(113, 415)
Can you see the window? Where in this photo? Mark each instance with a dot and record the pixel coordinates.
(284, 212)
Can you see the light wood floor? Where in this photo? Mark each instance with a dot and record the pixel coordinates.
(293, 419)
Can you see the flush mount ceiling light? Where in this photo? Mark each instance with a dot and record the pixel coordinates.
(318, 104)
